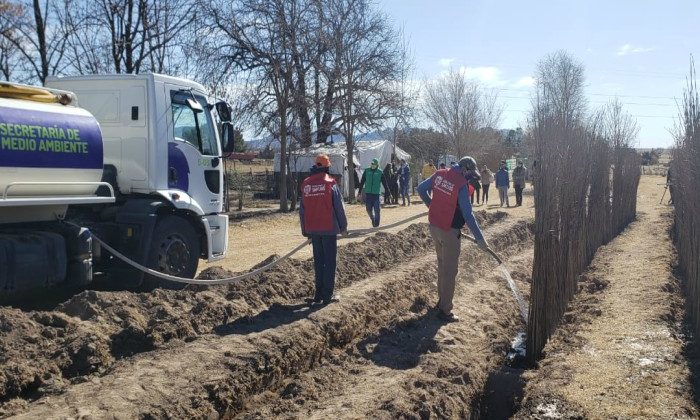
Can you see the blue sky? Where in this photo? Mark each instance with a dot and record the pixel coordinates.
(638, 50)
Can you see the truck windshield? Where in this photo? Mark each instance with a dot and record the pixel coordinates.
(196, 128)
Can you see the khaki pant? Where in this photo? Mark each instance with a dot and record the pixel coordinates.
(447, 248)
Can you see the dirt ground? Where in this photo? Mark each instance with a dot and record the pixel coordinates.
(621, 352)
(215, 373)
(106, 352)
(256, 350)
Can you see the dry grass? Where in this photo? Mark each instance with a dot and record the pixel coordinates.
(256, 166)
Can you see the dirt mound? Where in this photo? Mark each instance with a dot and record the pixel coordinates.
(47, 351)
(220, 372)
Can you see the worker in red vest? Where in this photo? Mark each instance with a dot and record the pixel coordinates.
(322, 217)
(446, 193)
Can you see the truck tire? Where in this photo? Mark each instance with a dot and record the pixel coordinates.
(175, 250)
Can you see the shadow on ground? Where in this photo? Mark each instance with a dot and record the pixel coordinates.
(274, 316)
(402, 346)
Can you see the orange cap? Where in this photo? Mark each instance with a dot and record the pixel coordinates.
(323, 161)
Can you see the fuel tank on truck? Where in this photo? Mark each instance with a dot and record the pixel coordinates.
(55, 148)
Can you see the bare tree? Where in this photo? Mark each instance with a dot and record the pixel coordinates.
(619, 126)
(130, 35)
(558, 127)
(38, 37)
(683, 179)
(461, 109)
(369, 53)
(255, 37)
(406, 93)
(621, 130)
(88, 45)
(9, 52)
(576, 210)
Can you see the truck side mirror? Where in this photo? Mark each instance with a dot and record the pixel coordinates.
(224, 111)
(227, 138)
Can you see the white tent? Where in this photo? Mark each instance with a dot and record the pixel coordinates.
(379, 149)
(301, 161)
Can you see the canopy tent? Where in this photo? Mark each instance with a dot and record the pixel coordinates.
(379, 149)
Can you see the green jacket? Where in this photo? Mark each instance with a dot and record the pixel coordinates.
(371, 181)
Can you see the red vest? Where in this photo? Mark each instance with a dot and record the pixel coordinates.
(317, 197)
(446, 186)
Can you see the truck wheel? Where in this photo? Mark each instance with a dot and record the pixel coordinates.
(175, 250)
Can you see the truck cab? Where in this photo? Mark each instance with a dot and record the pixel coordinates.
(163, 157)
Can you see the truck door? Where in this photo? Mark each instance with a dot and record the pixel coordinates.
(194, 163)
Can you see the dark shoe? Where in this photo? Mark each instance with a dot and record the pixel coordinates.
(313, 301)
(451, 317)
(331, 300)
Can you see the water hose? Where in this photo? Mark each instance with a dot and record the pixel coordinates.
(487, 250)
(209, 282)
(35, 94)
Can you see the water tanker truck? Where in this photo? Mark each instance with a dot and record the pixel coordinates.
(135, 160)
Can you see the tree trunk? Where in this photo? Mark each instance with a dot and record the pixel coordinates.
(350, 143)
(301, 106)
(283, 160)
(41, 38)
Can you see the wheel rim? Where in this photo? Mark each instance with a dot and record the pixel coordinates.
(174, 255)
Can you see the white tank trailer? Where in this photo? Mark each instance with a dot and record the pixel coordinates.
(135, 160)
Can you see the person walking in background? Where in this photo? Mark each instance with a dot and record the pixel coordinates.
(486, 180)
(404, 182)
(386, 180)
(446, 194)
(372, 182)
(322, 218)
(428, 170)
(502, 183)
(394, 184)
(474, 182)
(519, 182)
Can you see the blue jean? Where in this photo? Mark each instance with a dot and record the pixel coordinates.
(404, 189)
(325, 251)
(372, 206)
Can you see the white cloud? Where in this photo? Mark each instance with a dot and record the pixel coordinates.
(527, 81)
(446, 62)
(487, 75)
(631, 49)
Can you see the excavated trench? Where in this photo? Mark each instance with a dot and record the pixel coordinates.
(416, 366)
(48, 352)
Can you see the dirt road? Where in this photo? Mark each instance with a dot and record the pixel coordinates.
(622, 350)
